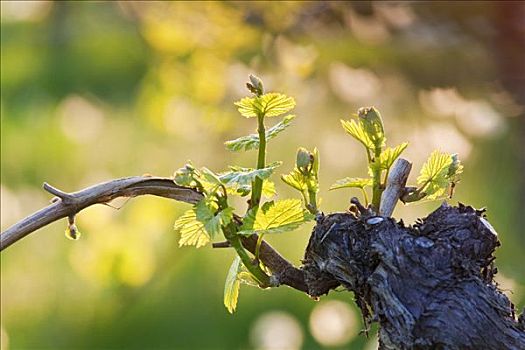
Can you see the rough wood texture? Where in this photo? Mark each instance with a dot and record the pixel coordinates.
(429, 286)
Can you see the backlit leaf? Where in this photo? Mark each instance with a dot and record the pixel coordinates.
(296, 179)
(210, 176)
(434, 177)
(268, 189)
(252, 141)
(269, 105)
(238, 176)
(201, 223)
(357, 131)
(349, 182)
(389, 155)
(232, 286)
(281, 216)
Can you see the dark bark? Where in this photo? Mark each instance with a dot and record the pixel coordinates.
(429, 286)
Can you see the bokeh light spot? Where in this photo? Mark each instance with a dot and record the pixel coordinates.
(333, 323)
(276, 330)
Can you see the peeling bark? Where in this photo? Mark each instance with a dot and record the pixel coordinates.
(429, 286)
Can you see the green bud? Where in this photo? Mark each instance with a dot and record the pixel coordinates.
(184, 176)
(255, 85)
(373, 125)
(304, 159)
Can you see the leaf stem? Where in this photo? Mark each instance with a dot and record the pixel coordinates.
(312, 195)
(261, 160)
(365, 196)
(258, 246)
(230, 232)
(376, 181)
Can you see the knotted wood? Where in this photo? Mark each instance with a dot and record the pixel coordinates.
(429, 286)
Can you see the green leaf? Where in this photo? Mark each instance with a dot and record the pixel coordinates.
(348, 182)
(357, 131)
(232, 286)
(367, 129)
(238, 176)
(245, 277)
(252, 141)
(389, 155)
(192, 231)
(317, 162)
(268, 105)
(201, 223)
(296, 179)
(281, 216)
(268, 189)
(434, 177)
(210, 176)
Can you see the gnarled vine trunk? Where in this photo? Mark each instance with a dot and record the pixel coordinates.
(429, 286)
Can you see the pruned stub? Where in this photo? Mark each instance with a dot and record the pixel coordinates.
(425, 284)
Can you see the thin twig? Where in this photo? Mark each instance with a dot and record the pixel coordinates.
(69, 204)
(60, 194)
(225, 244)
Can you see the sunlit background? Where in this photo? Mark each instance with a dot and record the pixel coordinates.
(98, 90)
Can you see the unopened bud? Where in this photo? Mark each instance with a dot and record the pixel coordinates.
(255, 85)
(371, 119)
(304, 159)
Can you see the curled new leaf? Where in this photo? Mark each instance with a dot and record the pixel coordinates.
(372, 124)
(232, 285)
(268, 105)
(186, 176)
(305, 177)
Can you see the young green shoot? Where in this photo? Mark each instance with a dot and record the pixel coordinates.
(441, 171)
(213, 216)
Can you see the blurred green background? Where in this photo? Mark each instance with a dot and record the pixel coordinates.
(98, 90)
